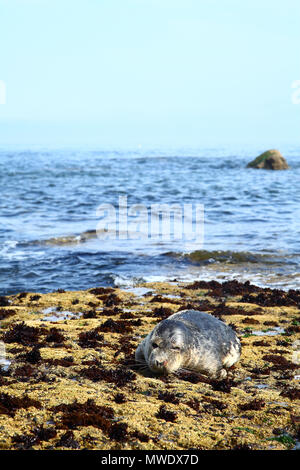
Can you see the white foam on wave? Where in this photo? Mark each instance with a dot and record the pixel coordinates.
(138, 291)
(10, 244)
(10, 252)
(261, 279)
(126, 282)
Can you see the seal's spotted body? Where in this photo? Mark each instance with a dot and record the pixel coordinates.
(190, 340)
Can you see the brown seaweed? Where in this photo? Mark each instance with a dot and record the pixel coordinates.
(84, 414)
(90, 338)
(23, 334)
(33, 356)
(76, 414)
(223, 289)
(116, 326)
(27, 441)
(111, 300)
(291, 392)
(68, 440)
(118, 376)
(168, 397)
(118, 432)
(167, 300)
(280, 362)
(34, 297)
(64, 361)
(165, 414)
(55, 336)
(24, 372)
(120, 398)
(5, 313)
(10, 404)
(255, 404)
(162, 312)
(4, 302)
(101, 290)
(273, 298)
(140, 436)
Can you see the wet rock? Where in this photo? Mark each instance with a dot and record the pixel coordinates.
(269, 160)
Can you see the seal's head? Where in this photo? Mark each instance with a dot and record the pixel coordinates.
(166, 346)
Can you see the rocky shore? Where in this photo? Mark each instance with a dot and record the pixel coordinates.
(68, 378)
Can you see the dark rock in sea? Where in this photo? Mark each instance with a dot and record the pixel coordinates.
(269, 160)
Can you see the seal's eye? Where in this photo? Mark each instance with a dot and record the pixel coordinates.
(154, 345)
(176, 348)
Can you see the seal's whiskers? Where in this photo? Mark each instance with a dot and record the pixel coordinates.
(141, 365)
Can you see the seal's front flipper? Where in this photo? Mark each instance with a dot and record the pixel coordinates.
(221, 374)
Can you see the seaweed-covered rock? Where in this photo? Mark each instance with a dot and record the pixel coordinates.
(269, 160)
(82, 378)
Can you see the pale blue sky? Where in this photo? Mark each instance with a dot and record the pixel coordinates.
(150, 72)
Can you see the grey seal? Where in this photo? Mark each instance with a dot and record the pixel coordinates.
(190, 340)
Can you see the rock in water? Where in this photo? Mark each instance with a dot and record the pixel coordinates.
(269, 160)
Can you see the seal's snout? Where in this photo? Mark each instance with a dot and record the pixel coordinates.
(161, 364)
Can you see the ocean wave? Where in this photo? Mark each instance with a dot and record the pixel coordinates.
(10, 251)
(230, 257)
(125, 281)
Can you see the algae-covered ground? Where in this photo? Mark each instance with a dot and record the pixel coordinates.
(68, 378)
